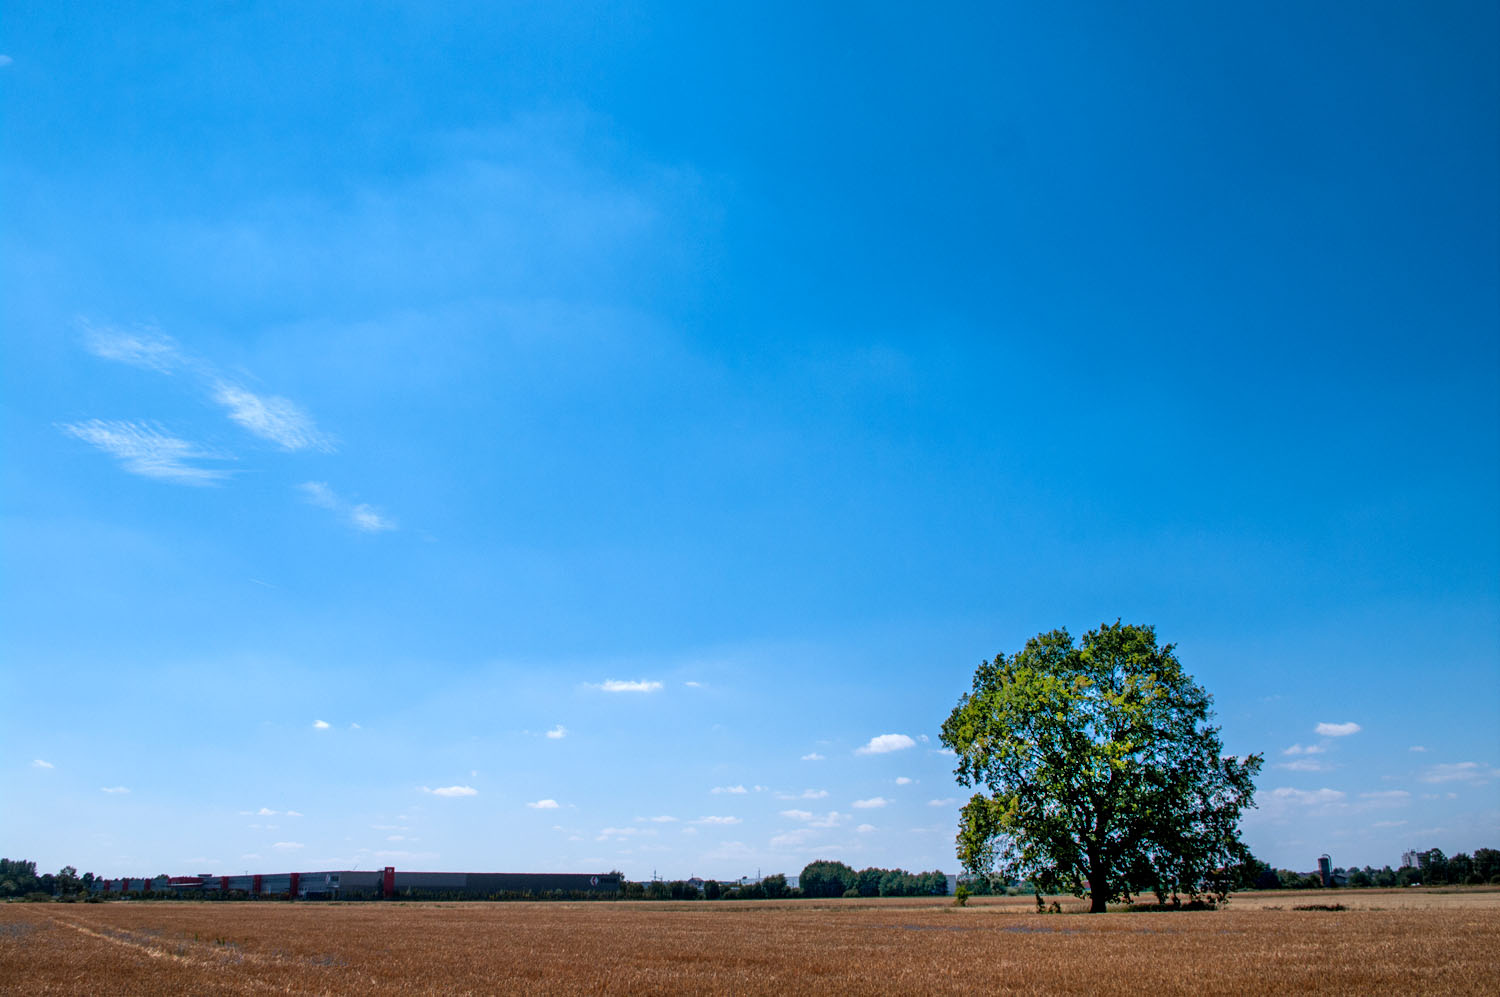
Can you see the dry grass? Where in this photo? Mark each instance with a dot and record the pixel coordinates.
(1387, 941)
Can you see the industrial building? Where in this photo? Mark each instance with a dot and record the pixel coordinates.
(374, 884)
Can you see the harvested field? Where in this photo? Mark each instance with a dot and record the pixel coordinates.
(1400, 941)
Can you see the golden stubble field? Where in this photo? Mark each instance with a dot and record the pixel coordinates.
(1398, 941)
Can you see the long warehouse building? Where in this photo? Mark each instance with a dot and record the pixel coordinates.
(374, 884)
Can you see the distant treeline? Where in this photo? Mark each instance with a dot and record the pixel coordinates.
(818, 879)
(1433, 868)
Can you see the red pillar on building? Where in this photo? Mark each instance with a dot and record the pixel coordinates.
(255, 885)
(388, 882)
(291, 890)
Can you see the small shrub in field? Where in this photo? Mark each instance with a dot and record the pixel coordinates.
(961, 896)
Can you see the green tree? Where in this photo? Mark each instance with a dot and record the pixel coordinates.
(1104, 776)
(826, 879)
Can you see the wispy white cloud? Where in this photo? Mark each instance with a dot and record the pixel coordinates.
(717, 820)
(865, 828)
(806, 794)
(798, 814)
(1306, 797)
(1460, 772)
(693, 685)
(1417, 748)
(321, 724)
(144, 449)
(452, 791)
(902, 780)
(734, 790)
(543, 805)
(883, 744)
(40, 764)
(114, 789)
(812, 756)
(140, 347)
(619, 685)
(1304, 765)
(278, 420)
(872, 803)
(557, 733)
(946, 801)
(662, 819)
(293, 813)
(288, 846)
(356, 514)
(1306, 749)
(1389, 797)
(1338, 730)
(265, 812)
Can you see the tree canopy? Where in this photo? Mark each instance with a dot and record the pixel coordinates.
(1103, 774)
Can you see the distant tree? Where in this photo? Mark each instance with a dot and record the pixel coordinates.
(868, 880)
(826, 879)
(1104, 775)
(1486, 863)
(711, 890)
(1434, 867)
(775, 887)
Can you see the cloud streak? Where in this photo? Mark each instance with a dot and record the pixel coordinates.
(362, 517)
(452, 791)
(619, 685)
(144, 449)
(278, 420)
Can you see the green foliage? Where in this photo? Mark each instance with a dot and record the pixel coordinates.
(961, 896)
(1104, 775)
(826, 879)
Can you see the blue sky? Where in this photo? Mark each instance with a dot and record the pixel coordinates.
(518, 437)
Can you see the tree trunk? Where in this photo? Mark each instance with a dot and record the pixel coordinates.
(1098, 884)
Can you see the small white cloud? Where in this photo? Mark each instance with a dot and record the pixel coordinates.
(865, 828)
(451, 791)
(1388, 823)
(736, 790)
(557, 733)
(321, 724)
(619, 685)
(265, 812)
(923, 738)
(1338, 730)
(883, 744)
(543, 805)
(1393, 797)
(717, 820)
(944, 751)
(831, 819)
(1308, 749)
(872, 803)
(902, 780)
(293, 813)
(1417, 748)
(812, 756)
(693, 685)
(278, 420)
(39, 764)
(797, 814)
(946, 801)
(354, 726)
(663, 819)
(287, 846)
(144, 449)
(114, 789)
